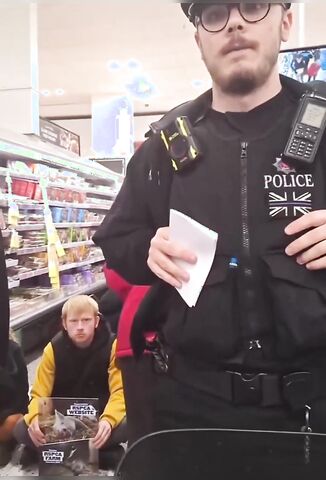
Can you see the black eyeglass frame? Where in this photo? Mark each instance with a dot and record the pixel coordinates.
(197, 18)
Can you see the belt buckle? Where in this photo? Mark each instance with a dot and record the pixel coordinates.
(247, 388)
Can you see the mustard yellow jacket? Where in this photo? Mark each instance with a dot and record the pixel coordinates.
(115, 409)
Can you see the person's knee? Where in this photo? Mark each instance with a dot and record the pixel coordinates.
(119, 434)
(20, 431)
(8, 426)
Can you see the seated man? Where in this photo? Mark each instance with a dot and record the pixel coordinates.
(13, 398)
(80, 363)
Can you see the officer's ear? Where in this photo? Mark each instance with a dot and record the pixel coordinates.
(286, 26)
(198, 41)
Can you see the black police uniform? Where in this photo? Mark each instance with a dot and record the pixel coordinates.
(260, 318)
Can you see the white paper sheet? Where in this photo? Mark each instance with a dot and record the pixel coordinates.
(202, 242)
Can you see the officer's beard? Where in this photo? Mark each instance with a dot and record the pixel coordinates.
(243, 81)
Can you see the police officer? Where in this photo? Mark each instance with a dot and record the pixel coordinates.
(251, 353)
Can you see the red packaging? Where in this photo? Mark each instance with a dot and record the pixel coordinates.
(69, 196)
(81, 197)
(38, 193)
(23, 188)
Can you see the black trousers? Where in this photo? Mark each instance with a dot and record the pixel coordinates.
(138, 384)
(176, 405)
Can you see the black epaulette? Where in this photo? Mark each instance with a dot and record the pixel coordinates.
(298, 88)
(318, 87)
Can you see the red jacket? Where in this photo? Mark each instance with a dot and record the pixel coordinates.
(131, 295)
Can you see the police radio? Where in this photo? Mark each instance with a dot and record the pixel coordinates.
(307, 130)
(180, 143)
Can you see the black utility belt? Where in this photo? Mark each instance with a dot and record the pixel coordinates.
(295, 389)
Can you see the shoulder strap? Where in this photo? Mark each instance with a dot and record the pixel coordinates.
(317, 86)
(195, 110)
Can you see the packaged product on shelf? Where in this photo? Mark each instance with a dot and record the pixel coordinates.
(56, 194)
(80, 253)
(81, 197)
(44, 170)
(72, 215)
(20, 167)
(23, 188)
(68, 279)
(82, 234)
(64, 236)
(3, 224)
(60, 214)
(68, 196)
(27, 218)
(34, 239)
(74, 196)
(81, 216)
(37, 195)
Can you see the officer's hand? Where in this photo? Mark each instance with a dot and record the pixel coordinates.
(37, 436)
(162, 255)
(310, 248)
(103, 434)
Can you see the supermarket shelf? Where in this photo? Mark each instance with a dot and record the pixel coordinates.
(77, 224)
(5, 233)
(25, 251)
(65, 186)
(29, 250)
(21, 176)
(11, 262)
(33, 273)
(28, 205)
(94, 191)
(84, 243)
(62, 268)
(69, 266)
(86, 206)
(27, 148)
(41, 226)
(29, 316)
(13, 284)
(30, 227)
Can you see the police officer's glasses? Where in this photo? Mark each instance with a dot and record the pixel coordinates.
(214, 18)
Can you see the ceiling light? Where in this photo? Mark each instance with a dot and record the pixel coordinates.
(46, 93)
(133, 64)
(197, 83)
(113, 65)
(141, 87)
(59, 91)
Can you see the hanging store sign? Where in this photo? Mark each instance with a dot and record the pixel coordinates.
(53, 133)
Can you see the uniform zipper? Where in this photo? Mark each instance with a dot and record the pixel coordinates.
(244, 200)
(254, 343)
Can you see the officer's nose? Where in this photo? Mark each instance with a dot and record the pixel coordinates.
(236, 22)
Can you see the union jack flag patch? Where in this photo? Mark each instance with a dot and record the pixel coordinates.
(289, 204)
